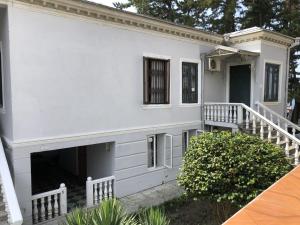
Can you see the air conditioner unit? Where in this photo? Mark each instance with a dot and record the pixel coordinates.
(214, 64)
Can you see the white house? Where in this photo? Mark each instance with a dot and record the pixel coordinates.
(91, 91)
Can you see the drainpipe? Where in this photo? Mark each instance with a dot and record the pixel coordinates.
(293, 45)
(202, 57)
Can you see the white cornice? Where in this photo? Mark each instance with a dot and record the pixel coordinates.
(103, 13)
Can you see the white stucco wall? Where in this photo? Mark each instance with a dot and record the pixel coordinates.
(77, 76)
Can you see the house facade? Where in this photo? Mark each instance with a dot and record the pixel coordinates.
(98, 102)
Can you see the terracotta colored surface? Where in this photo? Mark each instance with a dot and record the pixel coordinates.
(278, 205)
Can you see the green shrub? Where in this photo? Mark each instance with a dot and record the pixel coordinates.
(153, 216)
(230, 169)
(78, 217)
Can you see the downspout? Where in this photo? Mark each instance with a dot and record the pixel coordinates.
(202, 57)
(293, 45)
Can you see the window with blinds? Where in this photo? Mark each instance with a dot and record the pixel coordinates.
(189, 82)
(156, 81)
(271, 82)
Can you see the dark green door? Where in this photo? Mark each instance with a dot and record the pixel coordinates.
(240, 84)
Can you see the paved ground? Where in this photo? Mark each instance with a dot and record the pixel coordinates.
(151, 197)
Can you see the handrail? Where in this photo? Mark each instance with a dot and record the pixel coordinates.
(234, 113)
(267, 121)
(103, 179)
(278, 116)
(13, 208)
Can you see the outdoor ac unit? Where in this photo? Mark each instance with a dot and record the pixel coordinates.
(214, 64)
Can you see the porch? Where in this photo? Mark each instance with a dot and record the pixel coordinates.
(68, 178)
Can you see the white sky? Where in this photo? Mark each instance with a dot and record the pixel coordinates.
(110, 3)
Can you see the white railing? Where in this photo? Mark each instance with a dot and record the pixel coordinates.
(48, 205)
(9, 195)
(277, 118)
(239, 113)
(99, 190)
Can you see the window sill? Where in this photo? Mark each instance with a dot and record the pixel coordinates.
(156, 168)
(158, 106)
(189, 104)
(271, 103)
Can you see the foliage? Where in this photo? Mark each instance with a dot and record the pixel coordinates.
(230, 169)
(153, 216)
(111, 212)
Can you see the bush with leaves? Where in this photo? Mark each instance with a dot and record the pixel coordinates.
(230, 169)
(111, 212)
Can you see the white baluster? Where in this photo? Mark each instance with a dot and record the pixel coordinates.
(35, 211)
(294, 131)
(247, 120)
(100, 192)
(271, 117)
(105, 190)
(110, 188)
(226, 114)
(96, 195)
(205, 112)
(222, 113)
(296, 154)
(261, 129)
(230, 114)
(287, 144)
(286, 126)
(49, 208)
(254, 124)
(269, 133)
(278, 137)
(234, 114)
(56, 210)
(43, 209)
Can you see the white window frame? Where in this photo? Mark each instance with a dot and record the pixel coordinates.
(154, 151)
(2, 108)
(158, 106)
(188, 60)
(280, 63)
(171, 151)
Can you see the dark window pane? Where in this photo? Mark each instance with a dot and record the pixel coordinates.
(271, 82)
(189, 82)
(156, 81)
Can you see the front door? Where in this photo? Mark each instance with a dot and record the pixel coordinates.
(240, 84)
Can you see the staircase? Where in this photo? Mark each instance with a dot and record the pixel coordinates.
(3, 214)
(265, 123)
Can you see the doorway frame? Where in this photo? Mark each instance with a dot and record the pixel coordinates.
(252, 80)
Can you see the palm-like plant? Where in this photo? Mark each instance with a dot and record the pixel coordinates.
(111, 212)
(78, 217)
(153, 216)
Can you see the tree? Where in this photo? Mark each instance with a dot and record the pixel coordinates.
(230, 169)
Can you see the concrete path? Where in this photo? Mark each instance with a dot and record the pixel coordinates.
(152, 197)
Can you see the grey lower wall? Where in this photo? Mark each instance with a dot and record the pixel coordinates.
(129, 161)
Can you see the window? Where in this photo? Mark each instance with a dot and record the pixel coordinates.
(160, 150)
(186, 136)
(1, 84)
(271, 82)
(156, 81)
(189, 82)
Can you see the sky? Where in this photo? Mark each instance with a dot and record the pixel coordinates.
(110, 3)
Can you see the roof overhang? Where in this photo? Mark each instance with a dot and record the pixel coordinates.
(224, 52)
